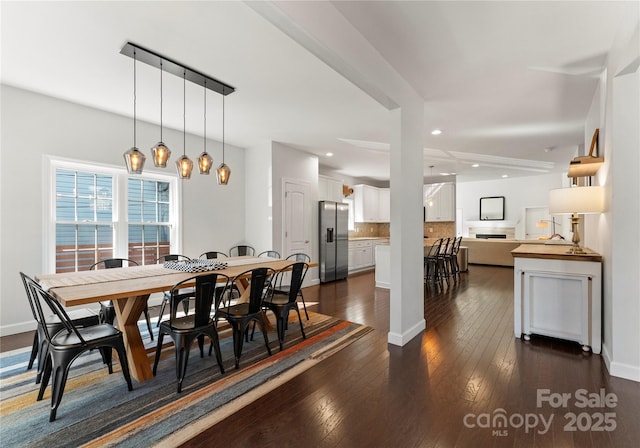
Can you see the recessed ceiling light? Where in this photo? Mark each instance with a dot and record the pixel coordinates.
(475, 165)
(444, 174)
(505, 175)
(436, 132)
(329, 154)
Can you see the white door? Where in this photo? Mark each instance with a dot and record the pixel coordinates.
(297, 218)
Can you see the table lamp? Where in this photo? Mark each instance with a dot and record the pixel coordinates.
(574, 201)
(544, 223)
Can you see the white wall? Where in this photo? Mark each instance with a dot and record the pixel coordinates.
(258, 201)
(623, 323)
(33, 126)
(520, 192)
(617, 114)
(624, 301)
(334, 174)
(291, 164)
(213, 215)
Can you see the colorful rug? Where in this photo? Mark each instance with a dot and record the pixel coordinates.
(97, 410)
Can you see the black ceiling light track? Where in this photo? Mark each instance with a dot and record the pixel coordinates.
(168, 65)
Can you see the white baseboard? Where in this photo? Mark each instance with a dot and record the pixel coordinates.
(402, 339)
(312, 282)
(626, 371)
(385, 285)
(21, 327)
(620, 370)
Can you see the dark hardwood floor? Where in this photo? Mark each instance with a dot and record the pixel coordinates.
(450, 387)
(372, 394)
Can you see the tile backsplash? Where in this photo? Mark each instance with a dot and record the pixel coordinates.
(370, 229)
(439, 229)
(431, 230)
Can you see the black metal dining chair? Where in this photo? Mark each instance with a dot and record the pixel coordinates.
(281, 288)
(242, 250)
(107, 310)
(240, 315)
(67, 344)
(183, 330)
(269, 253)
(80, 318)
(281, 303)
(186, 294)
(212, 255)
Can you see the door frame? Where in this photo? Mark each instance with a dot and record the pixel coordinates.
(312, 212)
(313, 276)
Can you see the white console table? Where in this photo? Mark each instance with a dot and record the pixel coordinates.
(558, 294)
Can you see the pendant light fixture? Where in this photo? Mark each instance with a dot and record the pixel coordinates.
(133, 158)
(224, 172)
(160, 152)
(205, 161)
(184, 164)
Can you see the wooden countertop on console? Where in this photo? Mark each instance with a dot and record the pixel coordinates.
(553, 252)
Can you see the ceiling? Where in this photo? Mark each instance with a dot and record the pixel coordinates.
(508, 83)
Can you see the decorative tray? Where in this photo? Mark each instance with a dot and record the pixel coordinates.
(195, 265)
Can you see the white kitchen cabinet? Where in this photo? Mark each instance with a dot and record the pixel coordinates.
(371, 204)
(329, 189)
(440, 202)
(365, 202)
(384, 204)
(360, 255)
(383, 266)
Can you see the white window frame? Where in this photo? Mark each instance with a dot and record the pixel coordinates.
(120, 218)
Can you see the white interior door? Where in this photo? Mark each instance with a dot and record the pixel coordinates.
(297, 218)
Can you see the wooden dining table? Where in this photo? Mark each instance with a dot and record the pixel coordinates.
(130, 287)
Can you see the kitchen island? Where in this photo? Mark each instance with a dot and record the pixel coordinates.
(361, 252)
(383, 262)
(558, 294)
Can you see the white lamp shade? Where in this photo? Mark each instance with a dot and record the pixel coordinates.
(577, 200)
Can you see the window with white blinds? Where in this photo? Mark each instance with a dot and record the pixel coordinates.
(148, 206)
(100, 213)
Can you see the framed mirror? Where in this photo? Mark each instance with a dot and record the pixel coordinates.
(492, 208)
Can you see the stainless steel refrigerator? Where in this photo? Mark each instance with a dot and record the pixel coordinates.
(334, 240)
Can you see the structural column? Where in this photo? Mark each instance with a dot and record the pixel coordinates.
(407, 290)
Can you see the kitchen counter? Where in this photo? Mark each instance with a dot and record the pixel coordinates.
(361, 252)
(383, 262)
(362, 238)
(495, 252)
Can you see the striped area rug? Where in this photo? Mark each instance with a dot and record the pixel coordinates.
(97, 410)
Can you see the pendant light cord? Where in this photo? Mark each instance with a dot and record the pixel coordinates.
(161, 101)
(205, 115)
(222, 124)
(134, 99)
(184, 113)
